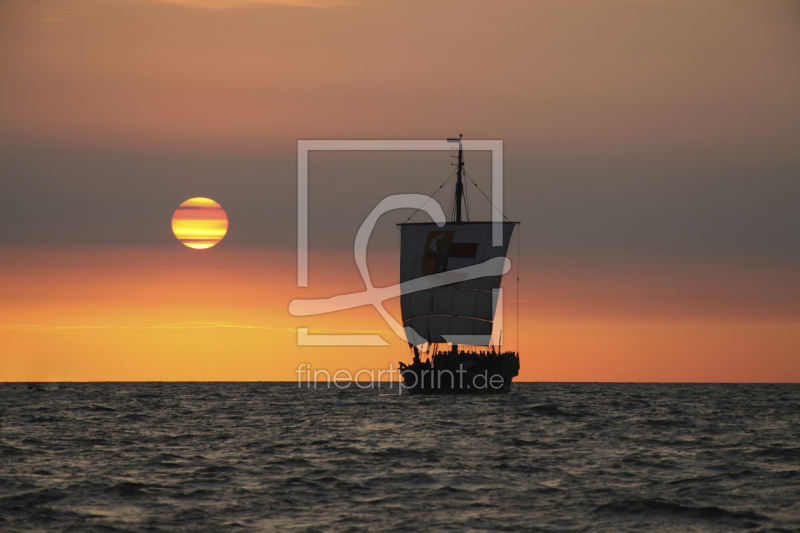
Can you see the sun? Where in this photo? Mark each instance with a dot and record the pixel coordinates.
(200, 223)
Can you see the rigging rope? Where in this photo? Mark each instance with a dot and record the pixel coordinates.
(430, 196)
(484, 195)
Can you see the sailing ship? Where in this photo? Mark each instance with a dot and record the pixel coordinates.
(459, 313)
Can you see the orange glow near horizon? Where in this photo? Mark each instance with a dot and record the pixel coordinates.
(200, 223)
(156, 314)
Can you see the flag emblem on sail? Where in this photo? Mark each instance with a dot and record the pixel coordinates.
(461, 308)
(449, 250)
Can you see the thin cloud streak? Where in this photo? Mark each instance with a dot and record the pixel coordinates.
(182, 325)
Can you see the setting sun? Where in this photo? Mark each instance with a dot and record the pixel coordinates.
(200, 223)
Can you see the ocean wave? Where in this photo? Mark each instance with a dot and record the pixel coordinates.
(261, 457)
(745, 519)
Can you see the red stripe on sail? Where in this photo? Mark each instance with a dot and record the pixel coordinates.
(463, 249)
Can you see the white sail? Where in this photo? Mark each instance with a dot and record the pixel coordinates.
(463, 310)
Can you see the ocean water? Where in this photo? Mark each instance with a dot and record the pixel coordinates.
(269, 457)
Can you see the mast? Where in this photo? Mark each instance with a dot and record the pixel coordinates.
(459, 194)
(459, 183)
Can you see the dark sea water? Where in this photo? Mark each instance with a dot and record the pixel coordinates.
(269, 457)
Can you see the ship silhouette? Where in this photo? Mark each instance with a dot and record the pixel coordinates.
(452, 324)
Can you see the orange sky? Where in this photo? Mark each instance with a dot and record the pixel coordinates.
(177, 314)
(650, 154)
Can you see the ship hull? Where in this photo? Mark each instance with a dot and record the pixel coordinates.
(457, 375)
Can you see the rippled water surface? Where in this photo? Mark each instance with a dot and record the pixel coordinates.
(267, 456)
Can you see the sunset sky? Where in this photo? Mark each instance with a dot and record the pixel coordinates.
(650, 154)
